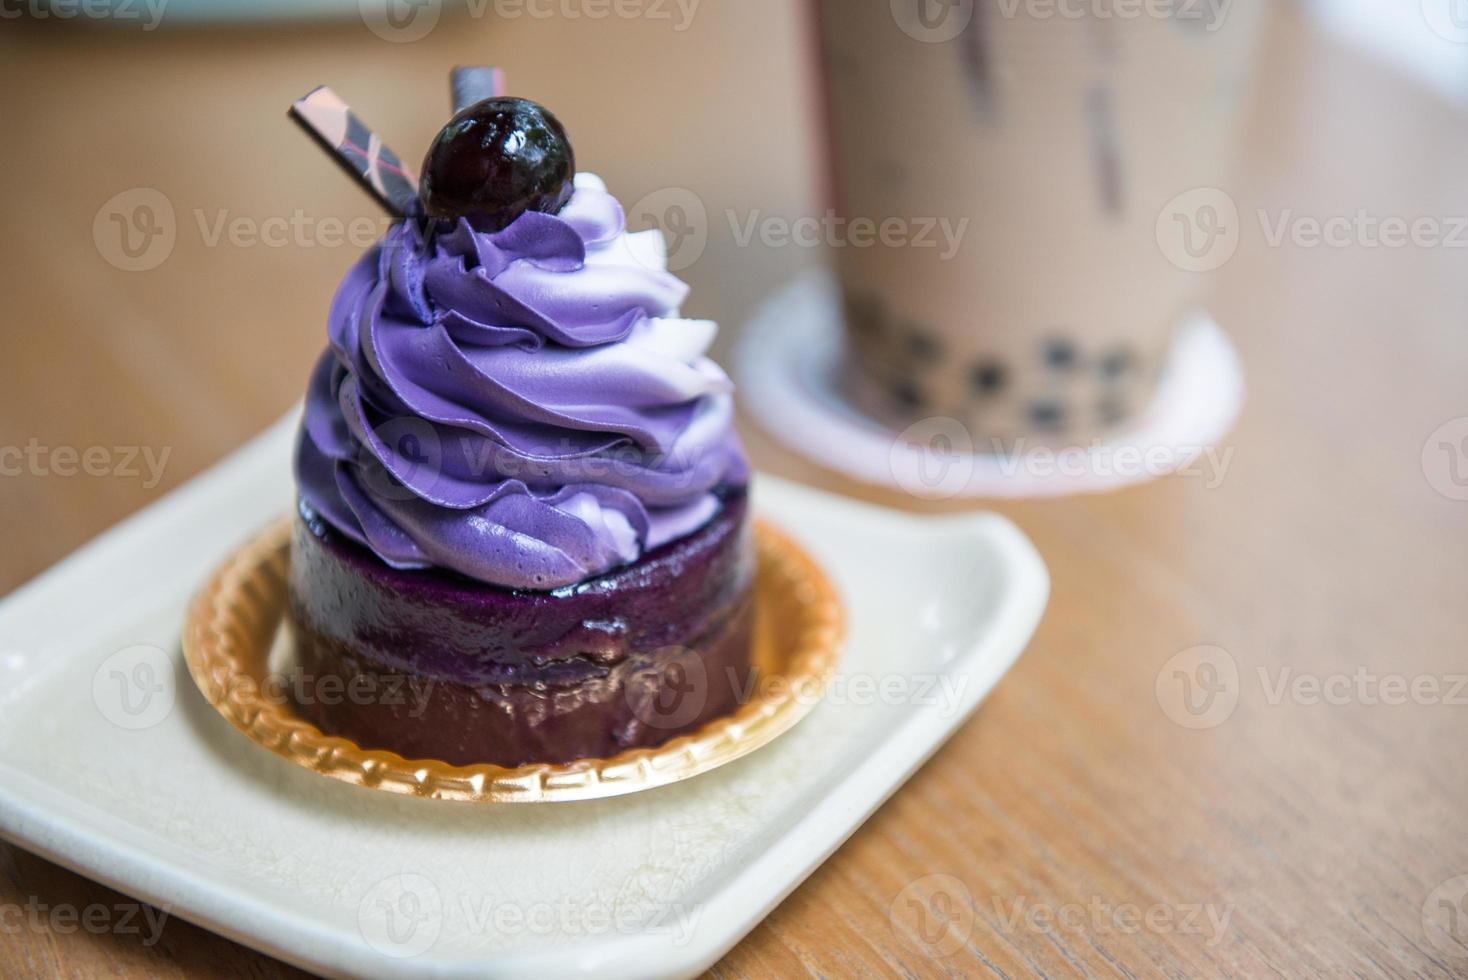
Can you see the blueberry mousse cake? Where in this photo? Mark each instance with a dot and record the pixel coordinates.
(523, 534)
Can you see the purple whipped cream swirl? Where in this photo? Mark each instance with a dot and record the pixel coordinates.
(525, 407)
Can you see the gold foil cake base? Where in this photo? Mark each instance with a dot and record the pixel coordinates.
(233, 621)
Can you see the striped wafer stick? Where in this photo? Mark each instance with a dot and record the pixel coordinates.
(474, 83)
(359, 151)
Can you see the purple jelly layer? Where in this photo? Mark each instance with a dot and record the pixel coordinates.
(484, 674)
(641, 701)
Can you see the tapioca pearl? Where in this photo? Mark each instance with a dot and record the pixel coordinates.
(1059, 354)
(987, 378)
(1116, 362)
(1047, 416)
(922, 347)
(907, 395)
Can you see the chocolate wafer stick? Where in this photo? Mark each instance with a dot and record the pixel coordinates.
(333, 124)
(474, 83)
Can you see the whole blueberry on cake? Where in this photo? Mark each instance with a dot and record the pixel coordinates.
(523, 532)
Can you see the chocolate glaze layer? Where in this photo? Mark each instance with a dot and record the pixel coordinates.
(433, 665)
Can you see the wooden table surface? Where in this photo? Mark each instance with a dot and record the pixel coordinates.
(1072, 826)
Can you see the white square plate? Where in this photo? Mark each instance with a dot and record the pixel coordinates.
(112, 764)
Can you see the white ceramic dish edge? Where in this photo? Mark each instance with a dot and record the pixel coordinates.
(738, 905)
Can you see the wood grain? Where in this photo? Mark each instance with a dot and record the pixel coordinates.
(1293, 838)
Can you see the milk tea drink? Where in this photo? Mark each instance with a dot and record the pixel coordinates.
(1030, 190)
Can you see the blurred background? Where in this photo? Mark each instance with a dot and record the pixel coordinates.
(171, 242)
(206, 336)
